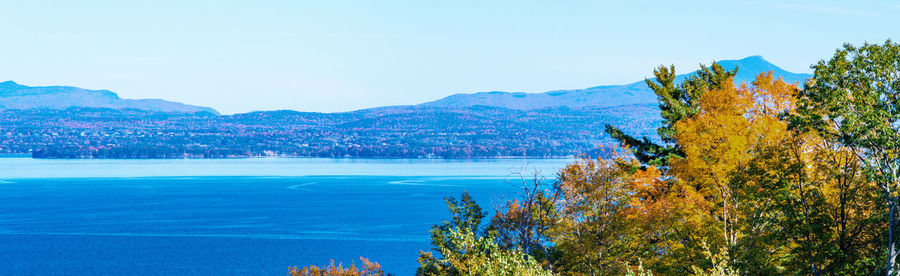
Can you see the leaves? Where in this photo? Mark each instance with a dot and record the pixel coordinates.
(854, 100)
(591, 233)
(368, 268)
(462, 251)
(676, 102)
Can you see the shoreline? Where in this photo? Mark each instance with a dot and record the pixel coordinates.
(289, 157)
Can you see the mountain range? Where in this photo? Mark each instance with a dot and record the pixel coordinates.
(17, 96)
(607, 95)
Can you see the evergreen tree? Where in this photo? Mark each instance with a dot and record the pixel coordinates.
(676, 102)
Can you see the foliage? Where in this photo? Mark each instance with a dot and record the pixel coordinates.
(466, 217)
(676, 102)
(732, 127)
(368, 268)
(639, 270)
(666, 228)
(854, 100)
(770, 196)
(591, 233)
(525, 222)
(462, 251)
(469, 254)
(719, 261)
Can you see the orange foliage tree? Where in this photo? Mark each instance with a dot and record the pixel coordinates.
(368, 268)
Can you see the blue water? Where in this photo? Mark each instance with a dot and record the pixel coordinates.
(232, 216)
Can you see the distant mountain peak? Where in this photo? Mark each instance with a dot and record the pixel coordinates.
(755, 57)
(8, 84)
(756, 60)
(751, 60)
(750, 67)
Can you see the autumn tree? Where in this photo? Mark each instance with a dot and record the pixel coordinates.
(368, 268)
(591, 234)
(854, 98)
(845, 210)
(667, 233)
(731, 125)
(525, 222)
(781, 197)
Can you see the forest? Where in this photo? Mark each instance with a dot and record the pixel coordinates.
(764, 179)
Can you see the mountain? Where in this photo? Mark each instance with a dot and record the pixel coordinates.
(604, 96)
(17, 96)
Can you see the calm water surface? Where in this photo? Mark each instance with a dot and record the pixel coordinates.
(232, 216)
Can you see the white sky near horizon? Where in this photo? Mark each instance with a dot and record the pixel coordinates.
(328, 56)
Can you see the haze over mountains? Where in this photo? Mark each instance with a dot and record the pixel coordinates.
(17, 96)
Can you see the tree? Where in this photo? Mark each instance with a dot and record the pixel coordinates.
(592, 231)
(845, 209)
(676, 102)
(854, 98)
(465, 249)
(730, 126)
(526, 221)
(667, 229)
(471, 254)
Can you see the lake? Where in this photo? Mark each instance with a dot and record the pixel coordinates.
(255, 216)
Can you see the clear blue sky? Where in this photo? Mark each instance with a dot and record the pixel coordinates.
(345, 55)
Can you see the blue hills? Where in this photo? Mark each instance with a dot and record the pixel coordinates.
(607, 95)
(17, 96)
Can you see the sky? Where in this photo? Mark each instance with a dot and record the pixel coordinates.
(332, 56)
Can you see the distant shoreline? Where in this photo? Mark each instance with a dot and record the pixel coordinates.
(27, 155)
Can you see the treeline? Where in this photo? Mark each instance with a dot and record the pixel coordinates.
(766, 179)
(167, 151)
(402, 132)
(134, 151)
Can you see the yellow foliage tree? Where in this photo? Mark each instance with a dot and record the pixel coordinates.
(732, 127)
(591, 233)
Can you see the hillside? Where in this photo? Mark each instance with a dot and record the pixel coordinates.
(17, 96)
(470, 132)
